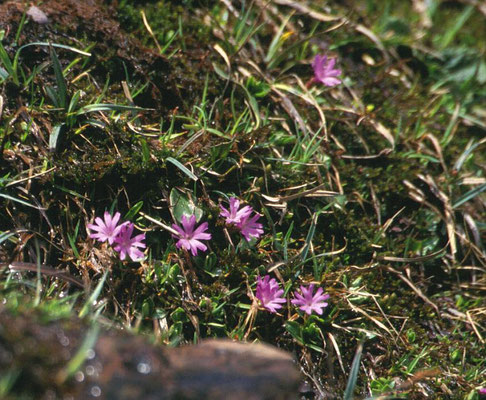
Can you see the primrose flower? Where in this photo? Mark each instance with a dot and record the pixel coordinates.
(308, 302)
(189, 238)
(234, 215)
(107, 229)
(269, 293)
(250, 228)
(324, 70)
(125, 244)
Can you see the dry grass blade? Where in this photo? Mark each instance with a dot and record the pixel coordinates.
(417, 377)
(289, 107)
(369, 34)
(45, 270)
(382, 130)
(474, 325)
(448, 213)
(431, 256)
(306, 10)
(149, 30)
(367, 315)
(336, 349)
(314, 192)
(414, 288)
(162, 225)
(13, 183)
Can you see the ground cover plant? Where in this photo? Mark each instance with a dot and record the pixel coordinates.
(309, 174)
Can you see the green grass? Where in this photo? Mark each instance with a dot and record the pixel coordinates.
(373, 189)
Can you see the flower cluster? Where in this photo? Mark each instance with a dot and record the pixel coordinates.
(271, 296)
(324, 71)
(242, 219)
(188, 236)
(118, 235)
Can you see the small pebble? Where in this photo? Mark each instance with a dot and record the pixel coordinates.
(37, 15)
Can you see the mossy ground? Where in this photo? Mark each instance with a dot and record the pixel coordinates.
(397, 240)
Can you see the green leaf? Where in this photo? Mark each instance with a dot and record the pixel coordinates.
(53, 96)
(295, 329)
(72, 240)
(133, 211)
(148, 308)
(54, 136)
(220, 72)
(3, 74)
(10, 68)
(182, 205)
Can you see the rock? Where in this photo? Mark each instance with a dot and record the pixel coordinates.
(123, 366)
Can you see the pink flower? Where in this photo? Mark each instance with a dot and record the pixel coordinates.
(309, 302)
(324, 70)
(482, 392)
(107, 229)
(269, 293)
(250, 228)
(241, 219)
(234, 216)
(125, 244)
(190, 238)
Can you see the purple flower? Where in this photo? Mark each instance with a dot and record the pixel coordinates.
(190, 238)
(250, 228)
(125, 244)
(482, 392)
(269, 293)
(324, 70)
(107, 229)
(242, 220)
(234, 215)
(308, 301)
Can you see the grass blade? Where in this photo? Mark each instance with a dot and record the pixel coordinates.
(60, 46)
(353, 375)
(10, 69)
(133, 211)
(6, 196)
(179, 165)
(108, 107)
(79, 358)
(87, 306)
(469, 195)
(5, 235)
(451, 33)
(62, 93)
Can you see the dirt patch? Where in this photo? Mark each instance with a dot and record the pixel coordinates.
(115, 53)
